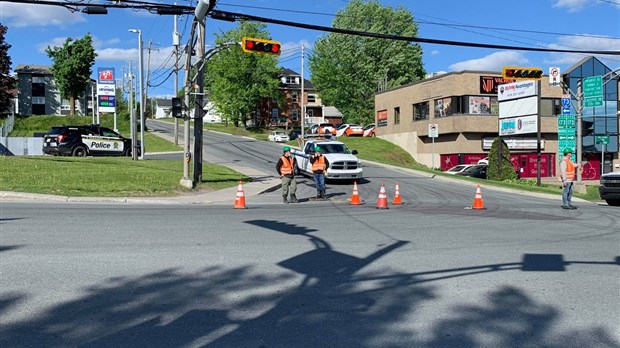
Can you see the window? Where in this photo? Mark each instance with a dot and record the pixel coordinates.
(443, 108)
(38, 90)
(38, 109)
(295, 96)
(550, 106)
(397, 115)
(41, 100)
(274, 112)
(311, 98)
(420, 111)
(479, 105)
(294, 114)
(310, 113)
(38, 79)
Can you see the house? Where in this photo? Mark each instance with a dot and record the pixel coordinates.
(163, 108)
(38, 93)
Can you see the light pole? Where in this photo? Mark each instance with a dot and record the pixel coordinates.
(141, 90)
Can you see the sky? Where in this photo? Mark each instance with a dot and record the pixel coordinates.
(567, 24)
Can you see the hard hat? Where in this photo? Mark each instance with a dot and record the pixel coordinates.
(568, 150)
(286, 149)
(317, 149)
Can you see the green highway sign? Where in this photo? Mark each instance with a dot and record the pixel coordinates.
(592, 91)
(566, 121)
(602, 139)
(566, 132)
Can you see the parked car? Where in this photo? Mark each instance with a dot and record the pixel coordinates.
(278, 137)
(81, 141)
(349, 130)
(484, 161)
(609, 188)
(323, 128)
(369, 130)
(478, 171)
(458, 169)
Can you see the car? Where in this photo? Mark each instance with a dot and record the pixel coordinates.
(278, 137)
(458, 169)
(349, 130)
(369, 130)
(484, 161)
(609, 188)
(323, 128)
(84, 140)
(478, 171)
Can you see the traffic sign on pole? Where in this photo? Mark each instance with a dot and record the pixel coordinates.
(554, 76)
(593, 91)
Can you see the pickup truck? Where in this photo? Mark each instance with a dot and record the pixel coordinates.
(343, 164)
(609, 190)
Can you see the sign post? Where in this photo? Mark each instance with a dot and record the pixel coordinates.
(603, 140)
(433, 132)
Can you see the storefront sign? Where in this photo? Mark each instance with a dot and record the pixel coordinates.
(518, 125)
(382, 118)
(489, 84)
(517, 90)
(519, 107)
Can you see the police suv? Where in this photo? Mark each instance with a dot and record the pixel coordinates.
(81, 141)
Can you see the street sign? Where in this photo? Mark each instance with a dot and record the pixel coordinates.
(602, 139)
(566, 121)
(566, 104)
(554, 76)
(593, 91)
(433, 130)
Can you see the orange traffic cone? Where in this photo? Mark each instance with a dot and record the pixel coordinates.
(478, 203)
(355, 198)
(382, 199)
(240, 198)
(397, 199)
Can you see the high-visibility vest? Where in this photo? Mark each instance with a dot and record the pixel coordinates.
(287, 165)
(319, 164)
(570, 169)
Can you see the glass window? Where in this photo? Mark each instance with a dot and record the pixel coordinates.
(38, 90)
(443, 107)
(310, 113)
(397, 115)
(550, 106)
(295, 96)
(38, 79)
(311, 98)
(420, 111)
(294, 114)
(479, 105)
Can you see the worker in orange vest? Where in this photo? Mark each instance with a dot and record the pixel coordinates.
(286, 169)
(567, 175)
(319, 168)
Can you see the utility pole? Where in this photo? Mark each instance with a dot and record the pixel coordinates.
(134, 143)
(148, 73)
(185, 180)
(198, 109)
(175, 43)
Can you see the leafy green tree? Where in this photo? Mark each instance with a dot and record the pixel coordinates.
(507, 170)
(6, 81)
(347, 70)
(72, 66)
(236, 81)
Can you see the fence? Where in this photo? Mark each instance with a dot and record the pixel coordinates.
(21, 146)
(7, 126)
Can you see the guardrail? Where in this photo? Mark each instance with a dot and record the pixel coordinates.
(7, 126)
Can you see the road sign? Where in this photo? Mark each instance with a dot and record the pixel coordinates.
(433, 130)
(554, 76)
(593, 91)
(602, 139)
(566, 121)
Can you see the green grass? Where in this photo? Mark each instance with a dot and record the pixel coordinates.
(105, 176)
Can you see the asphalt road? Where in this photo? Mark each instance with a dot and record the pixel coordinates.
(429, 273)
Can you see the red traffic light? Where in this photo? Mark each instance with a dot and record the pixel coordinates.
(522, 73)
(260, 46)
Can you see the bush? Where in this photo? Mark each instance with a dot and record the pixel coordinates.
(507, 171)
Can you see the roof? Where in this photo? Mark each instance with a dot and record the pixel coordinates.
(163, 102)
(288, 72)
(331, 111)
(33, 69)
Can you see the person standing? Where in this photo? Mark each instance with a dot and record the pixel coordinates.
(286, 169)
(567, 175)
(319, 167)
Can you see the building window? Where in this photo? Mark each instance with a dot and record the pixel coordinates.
(38, 109)
(311, 98)
(291, 80)
(550, 106)
(443, 108)
(420, 111)
(397, 115)
(310, 113)
(294, 114)
(295, 96)
(40, 100)
(479, 105)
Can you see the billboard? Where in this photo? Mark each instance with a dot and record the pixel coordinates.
(518, 125)
(517, 90)
(106, 90)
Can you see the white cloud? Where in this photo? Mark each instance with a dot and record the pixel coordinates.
(492, 62)
(587, 43)
(30, 15)
(292, 46)
(572, 5)
(435, 53)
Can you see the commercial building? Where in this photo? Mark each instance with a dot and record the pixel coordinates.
(464, 108)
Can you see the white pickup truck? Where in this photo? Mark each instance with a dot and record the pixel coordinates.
(343, 164)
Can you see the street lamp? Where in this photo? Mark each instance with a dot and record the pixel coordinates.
(141, 91)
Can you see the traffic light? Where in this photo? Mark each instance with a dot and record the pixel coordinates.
(261, 46)
(522, 73)
(177, 108)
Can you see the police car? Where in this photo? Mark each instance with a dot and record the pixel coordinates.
(81, 141)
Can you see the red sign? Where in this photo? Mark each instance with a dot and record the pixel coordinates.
(488, 84)
(106, 75)
(382, 117)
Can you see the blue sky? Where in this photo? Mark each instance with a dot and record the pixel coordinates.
(568, 24)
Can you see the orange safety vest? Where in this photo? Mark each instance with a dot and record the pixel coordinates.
(287, 165)
(570, 169)
(319, 164)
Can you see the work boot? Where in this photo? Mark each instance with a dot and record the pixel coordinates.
(284, 200)
(293, 198)
(318, 194)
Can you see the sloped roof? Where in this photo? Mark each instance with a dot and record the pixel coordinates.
(163, 102)
(32, 69)
(288, 72)
(331, 111)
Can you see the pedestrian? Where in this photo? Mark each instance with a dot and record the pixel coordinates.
(286, 169)
(567, 175)
(320, 164)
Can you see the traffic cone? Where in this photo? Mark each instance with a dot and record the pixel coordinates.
(355, 198)
(478, 203)
(397, 199)
(240, 198)
(382, 199)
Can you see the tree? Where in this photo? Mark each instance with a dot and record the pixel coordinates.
(6, 81)
(346, 70)
(72, 67)
(236, 81)
(507, 170)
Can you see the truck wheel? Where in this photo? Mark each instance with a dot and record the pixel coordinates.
(79, 151)
(613, 202)
(296, 169)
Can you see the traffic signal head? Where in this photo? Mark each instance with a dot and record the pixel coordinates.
(261, 46)
(177, 108)
(522, 73)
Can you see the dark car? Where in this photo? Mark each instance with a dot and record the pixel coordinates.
(609, 190)
(478, 171)
(81, 141)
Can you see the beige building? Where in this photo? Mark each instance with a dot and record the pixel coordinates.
(464, 107)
